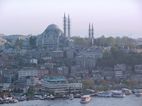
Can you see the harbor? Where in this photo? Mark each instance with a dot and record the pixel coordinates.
(82, 98)
(131, 100)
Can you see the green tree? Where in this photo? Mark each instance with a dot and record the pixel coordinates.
(88, 84)
(32, 41)
(81, 41)
(19, 43)
(30, 92)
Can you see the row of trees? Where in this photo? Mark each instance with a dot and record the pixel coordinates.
(84, 42)
(115, 41)
(20, 42)
(106, 41)
(118, 56)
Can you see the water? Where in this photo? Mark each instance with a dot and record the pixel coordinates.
(96, 101)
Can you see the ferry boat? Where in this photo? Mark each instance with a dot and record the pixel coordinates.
(71, 96)
(138, 92)
(104, 94)
(77, 95)
(1, 101)
(118, 94)
(126, 91)
(85, 99)
(9, 100)
(51, 97)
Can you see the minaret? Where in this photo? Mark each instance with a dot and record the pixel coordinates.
(92, 31)
(89, 31)
(65, 26)
(92, 35)
(69, 26)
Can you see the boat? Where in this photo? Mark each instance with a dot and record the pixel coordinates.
(85, 99)
(1, 101)
(77, 95)
(126, 91)
(71, 96)
(104, 94)
(21, 98)
(14, 101)
(138, 94)
(10, 100)
(118, 94)
(38, 97)
(51, 97)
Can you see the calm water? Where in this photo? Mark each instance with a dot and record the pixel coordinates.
(127, 101)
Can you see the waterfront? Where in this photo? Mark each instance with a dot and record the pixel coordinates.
(131, 100)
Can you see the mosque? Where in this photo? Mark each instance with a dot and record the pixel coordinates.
(53, 37)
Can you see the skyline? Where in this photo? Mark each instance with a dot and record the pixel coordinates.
(111, 17)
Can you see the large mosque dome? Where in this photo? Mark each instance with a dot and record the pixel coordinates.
(52, 27)
(52, 37)
(52, 30)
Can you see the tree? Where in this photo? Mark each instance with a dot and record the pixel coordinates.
(30, 92)
(88, 84)
(84, 42)
(118, 56)
(32, 41)
(110, 41)
(19, 43)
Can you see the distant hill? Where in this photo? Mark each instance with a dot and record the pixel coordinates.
(3, 41)
(15, 36)
(2, 34)
(10, 39)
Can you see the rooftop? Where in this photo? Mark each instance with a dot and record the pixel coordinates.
(55, 78)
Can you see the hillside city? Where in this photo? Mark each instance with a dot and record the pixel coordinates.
(57, 62)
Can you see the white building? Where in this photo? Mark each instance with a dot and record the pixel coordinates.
(34, 61)
(27, 72)
(138, 69)
(87, 58)
(59, 84)
(119, 70)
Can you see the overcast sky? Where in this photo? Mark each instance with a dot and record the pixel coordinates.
(110, 17)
